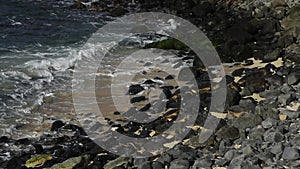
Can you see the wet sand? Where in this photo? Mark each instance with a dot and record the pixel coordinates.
(59, 106)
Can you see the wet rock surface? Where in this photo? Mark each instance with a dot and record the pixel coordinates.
(259, 127)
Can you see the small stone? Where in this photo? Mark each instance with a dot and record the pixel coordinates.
(169, 77)
(278, 3)
(290, 114)
(285, 99)
(202, 163)
(236, 162)
(257, 133)
(285, 88)
(152, 165)
(157, 165)
(274, 55)
(247, 150)
(248, 62)
(146, 107)
(180, 164)
(238, 72)
(273, 136)
(290, 153)
(57, 125)
(166, 94)
(165, 158)
(148, 64)
(277, 148)
(117, 113)
(282, 117)
(247, 120)
(135, 89)
(250, 164)
(4, 139)
(268, 123)
(265, 155)
(270, 26)
(185, 74)
(38, 148)
(267, 111)
(227, 132)
(229, 155)
(150, 81)
(37, 160)
(116, 162)
(233, 97)
(296, 141)
(285, 40)
(137, 99)
(142, 163)
(293, 78)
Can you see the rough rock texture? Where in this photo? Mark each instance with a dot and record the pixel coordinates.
(260, 125)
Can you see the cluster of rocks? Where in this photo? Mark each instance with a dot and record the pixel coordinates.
(260, 127)
(238, 29)
(236, 32)
(65, 146)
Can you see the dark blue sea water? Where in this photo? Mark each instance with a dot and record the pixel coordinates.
(37, 42)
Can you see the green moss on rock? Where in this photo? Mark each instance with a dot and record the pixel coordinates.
(38, 160)
(68, 164)
(117, 162)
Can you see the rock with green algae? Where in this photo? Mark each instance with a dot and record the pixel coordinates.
(68, 164)
(117, 162)
(38, 160)
(167, 44)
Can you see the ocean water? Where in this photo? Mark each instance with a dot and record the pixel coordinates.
(38, 40)
(39, 45)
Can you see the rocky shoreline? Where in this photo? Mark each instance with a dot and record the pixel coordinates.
(260, 127)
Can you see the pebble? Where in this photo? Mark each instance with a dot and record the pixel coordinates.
(247, 150)
(152, 165)
(57, 125)
(185, 74)
(290, 114)
(135, 89)
(236, 162)
(202, 163)
(273, 136)
(285, 99)
(247, 120)
(268, 123)
(137, 99)
(274, 55)
(227, 132)
(278, 3)
(233, 97)
(296, 141)
(277, 148)
(166, 94)
(290, 153)
(180, 164)
(293, 78)
(229, 155)
(169, 77)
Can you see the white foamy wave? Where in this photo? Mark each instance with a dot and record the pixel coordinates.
(14, 74)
